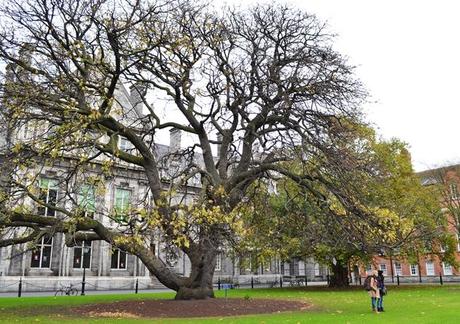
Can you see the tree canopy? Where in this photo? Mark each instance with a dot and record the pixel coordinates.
(397, 215)
(262, 87)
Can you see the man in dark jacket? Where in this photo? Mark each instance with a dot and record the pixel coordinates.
(382, 290)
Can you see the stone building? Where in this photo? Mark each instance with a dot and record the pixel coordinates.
(51, 263)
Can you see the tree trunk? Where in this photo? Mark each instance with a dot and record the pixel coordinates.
(339, 277)
(188, 293)
(199, 285)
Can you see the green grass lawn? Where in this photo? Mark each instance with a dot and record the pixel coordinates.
(429, 304)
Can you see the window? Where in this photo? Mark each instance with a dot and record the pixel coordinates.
(218, 262)
(398, 269)
(429, 268)
(447, 269)
(122, 198)
(41, 256)
(413, 269)
(86, 200)
(272, 187)
(453, 191)
(118, 259)
(48, 195)
(442, 248)
(369, 268)
(245, 265)
(82, 255)
(286, 268)
(317, 271)
(383, 268)
(267, 265)
(125, 145)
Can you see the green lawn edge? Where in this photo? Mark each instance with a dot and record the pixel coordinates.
(404, 304)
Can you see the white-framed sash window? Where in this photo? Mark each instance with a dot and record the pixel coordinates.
(48, 195)
(446, 269)
(118, 260)
(429, 268)
(218, 262)
(86, 200)
(82, 255)
(122, 203)
(41, 256)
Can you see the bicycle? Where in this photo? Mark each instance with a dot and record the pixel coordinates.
(67, 291)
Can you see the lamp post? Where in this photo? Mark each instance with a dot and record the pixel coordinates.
(84, 250)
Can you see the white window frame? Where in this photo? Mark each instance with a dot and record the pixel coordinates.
(51, 185)
(287, 268)
(218, 262)
(124, 144)
(442, 248)
(118, 252)
(413, 269)
(81, 199)
(84, 245)
(398, 268)
(317, 269)
(248, 267)
(383, 268)
(447, 269)
(429, 266)
(122, 213)
(41, 247)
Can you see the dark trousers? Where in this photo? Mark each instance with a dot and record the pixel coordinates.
(380, 300)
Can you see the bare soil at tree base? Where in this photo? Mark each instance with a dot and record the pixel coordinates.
(213, 307)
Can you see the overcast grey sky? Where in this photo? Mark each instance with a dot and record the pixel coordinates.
(408, 56)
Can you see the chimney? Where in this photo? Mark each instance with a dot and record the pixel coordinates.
(174, 139)
(137, 92)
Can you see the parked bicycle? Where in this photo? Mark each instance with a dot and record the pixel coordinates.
(67, 291)
(297, 282)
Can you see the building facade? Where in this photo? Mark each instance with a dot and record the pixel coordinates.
(50, 263)
(430, 267)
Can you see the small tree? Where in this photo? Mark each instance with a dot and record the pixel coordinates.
(265, 80)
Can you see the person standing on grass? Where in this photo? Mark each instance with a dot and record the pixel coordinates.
(382, 290)
(373, 290)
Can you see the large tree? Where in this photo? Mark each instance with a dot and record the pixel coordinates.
(263, 85)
